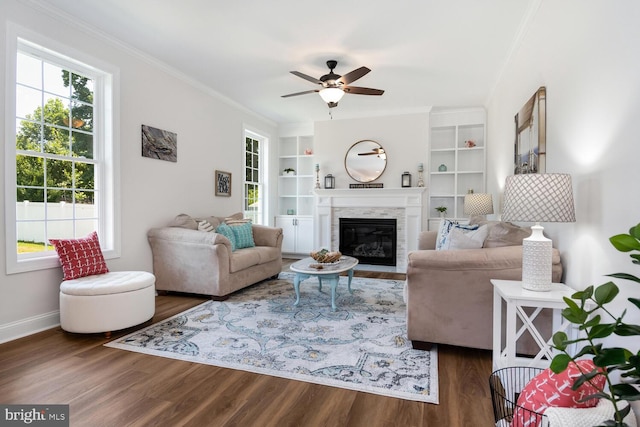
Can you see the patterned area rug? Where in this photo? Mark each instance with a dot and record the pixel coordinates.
(361, 346)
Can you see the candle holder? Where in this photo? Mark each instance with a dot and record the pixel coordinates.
(420, 170)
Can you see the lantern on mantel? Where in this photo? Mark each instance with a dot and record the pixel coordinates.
(406, 179)
(329, 181)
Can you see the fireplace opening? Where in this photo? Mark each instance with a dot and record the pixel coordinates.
(371, 240)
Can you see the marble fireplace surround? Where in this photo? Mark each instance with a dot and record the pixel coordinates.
(404, 204)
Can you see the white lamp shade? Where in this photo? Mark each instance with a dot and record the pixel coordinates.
(478, 204)
(331, 94)
(538, 197)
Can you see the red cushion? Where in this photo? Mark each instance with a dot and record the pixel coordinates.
(80, 257)
(554, 390)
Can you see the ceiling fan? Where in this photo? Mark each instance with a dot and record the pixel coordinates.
(334, 86)
(376, 151)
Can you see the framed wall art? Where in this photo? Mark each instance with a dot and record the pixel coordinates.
(159, 144)
(531, 135)
(223, 183)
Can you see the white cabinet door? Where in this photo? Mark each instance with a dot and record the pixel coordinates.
(297, 233)
(304, 235)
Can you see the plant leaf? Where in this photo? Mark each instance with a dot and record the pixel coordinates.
(559, 363)
(625, 330)
(635, 301)
(611, 357)
(625, 391)
(601, 331)
(606, 293)
(625, 242)
(559, 339)
(625, 276)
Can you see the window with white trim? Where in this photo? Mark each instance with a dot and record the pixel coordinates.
(254, 188)
(60, 154)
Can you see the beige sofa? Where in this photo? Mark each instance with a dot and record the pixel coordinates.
(449, 294)
(186, 259)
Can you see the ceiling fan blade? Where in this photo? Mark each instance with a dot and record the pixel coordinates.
(301, 93)
(306, 77)
(353, 75)
(362, 90)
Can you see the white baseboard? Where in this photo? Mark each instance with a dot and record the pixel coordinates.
(31, 325)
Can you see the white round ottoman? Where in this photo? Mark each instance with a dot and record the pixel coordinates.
(107, 302)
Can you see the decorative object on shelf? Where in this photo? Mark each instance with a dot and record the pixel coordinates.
(442, 168)
(289, 171)
(365, 161)
(291, 212)
(159, 144)
(478, 204)
(329, 181)
(317, 176)
(531, 135)
(308, 151)
(370, 185)
(223, 183)
(420, 179)
(538, 198)
(406, 179)
(595, 329)
(470, 143)
(442, 210)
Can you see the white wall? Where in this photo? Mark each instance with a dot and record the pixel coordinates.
(586, 54)
(152, 191)
(403, 137)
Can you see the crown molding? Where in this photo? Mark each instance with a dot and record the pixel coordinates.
(71, 21)
(523, 29)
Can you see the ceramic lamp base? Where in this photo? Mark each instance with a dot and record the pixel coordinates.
(537, 254)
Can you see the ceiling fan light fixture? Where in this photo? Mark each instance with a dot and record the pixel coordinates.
(331, 95)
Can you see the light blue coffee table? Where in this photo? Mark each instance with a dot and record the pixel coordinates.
(328, 272)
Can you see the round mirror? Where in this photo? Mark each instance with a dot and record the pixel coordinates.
(365, 161)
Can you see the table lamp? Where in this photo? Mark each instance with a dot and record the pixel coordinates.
(538, 198)
(478, 204)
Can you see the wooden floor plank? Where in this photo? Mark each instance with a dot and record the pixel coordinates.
(110, 387)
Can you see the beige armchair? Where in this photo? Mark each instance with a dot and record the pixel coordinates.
(449, 293)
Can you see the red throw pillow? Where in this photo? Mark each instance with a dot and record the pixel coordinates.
(554, 390)
(80, 257)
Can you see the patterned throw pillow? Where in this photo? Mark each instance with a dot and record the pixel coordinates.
(243, 233)
(548, 390)
(445, 228)
(80, 257)
(226, 231)
(204, 225)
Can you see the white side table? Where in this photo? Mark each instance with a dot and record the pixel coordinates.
(516, 298)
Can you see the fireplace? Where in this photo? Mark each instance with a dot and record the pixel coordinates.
(371, 240)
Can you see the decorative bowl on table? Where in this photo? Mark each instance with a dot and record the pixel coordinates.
(323, 256)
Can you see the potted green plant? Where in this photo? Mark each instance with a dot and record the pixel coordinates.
(598, 323)
(442, 210)
(289, 171)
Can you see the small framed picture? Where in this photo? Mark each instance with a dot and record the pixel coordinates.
(223, 183)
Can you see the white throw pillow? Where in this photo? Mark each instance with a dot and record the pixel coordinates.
(460, 238)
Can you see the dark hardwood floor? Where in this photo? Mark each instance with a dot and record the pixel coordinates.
(110, 387)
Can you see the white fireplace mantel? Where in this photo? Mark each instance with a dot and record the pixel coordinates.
(407, 201)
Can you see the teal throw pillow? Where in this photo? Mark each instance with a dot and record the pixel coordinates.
(226, 231)
(243, 234)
